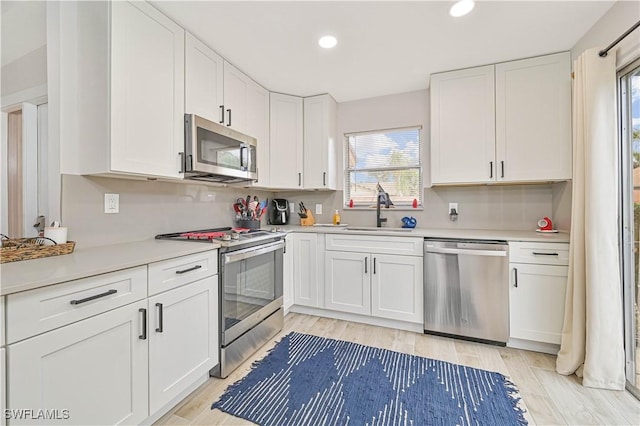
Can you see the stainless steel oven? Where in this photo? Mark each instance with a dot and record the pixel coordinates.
(249, 290)
(250, 301)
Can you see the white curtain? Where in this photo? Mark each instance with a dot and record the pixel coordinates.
(592, 338)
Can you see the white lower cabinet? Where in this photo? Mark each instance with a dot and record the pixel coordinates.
(305, 269)
(396, 288)
(287, 274)
(3, 388)
(347, 284)
(537, 291)
(381, 285)
(536, 302)
(183, 343)
(95, 368)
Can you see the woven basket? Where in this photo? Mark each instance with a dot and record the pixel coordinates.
(16, 249)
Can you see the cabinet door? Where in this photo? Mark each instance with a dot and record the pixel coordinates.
(319, 142)
(347, 282)
(95, 368)
(396, 287)
(533, 118)
(147, 91)
(463, 126)
(536, 302)
(258, 127)
(183, 339)
(305, 272)
(236, 87)
(3, 389)
(286, 160)
(203, 80)
(287, 261)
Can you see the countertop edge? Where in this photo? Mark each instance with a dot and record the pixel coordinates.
(28, 275)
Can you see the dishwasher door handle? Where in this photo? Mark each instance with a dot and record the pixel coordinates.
(496, 253)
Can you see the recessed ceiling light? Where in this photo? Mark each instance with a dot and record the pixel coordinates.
(327, 41)
(461, 8)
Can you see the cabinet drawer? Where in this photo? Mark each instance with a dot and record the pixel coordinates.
(539, 253)
(36, 311)
(384, 244)
(183, 270)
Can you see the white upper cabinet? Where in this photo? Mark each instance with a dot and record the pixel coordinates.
(121, 90)
(286, 154)
(508, 122)
(219, 92)
(533, 118)
(203, 80)
(463, 126)
(320, 146)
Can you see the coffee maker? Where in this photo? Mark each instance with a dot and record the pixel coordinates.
(279, 211)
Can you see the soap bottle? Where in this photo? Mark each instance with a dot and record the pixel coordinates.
(336, 218)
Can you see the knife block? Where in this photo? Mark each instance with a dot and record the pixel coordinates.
(307, 221)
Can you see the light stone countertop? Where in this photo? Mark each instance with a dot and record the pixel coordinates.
(82, 263)
(471, 234)
(30, 274)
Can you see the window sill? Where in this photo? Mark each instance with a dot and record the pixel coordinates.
(383, 209)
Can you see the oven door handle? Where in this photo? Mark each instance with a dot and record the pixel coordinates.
(236, 256)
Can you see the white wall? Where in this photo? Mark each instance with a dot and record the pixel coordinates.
(616, 21)
(384, 112)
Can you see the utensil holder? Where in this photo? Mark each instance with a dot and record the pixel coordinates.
(249, 223)
(309, 220)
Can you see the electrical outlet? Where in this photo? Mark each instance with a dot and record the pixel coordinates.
(292, 207)
(318, 208)
(453, 206)
(112, 203)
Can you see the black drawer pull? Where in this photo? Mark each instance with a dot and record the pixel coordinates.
(366, 261)
(160, 318)
(374, 265)
(143, 336)
(535, 253)
(189, 269)
(97, 296)
(515, 277)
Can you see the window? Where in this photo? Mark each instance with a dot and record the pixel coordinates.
(389, 157)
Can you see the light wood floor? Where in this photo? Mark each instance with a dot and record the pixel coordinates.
(549, 398)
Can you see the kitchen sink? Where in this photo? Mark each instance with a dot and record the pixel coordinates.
(373, 228)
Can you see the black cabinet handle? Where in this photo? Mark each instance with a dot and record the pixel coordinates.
(229, 117)
(490, 169)
(160, 318)
(366, 261)
(536, 253)
(189, 269)
(299, 179)
(324, 178)
(374, 265)
(97, 296)
(182, 162)
(515, 277)
(221, 114)
(143, 336)
(502, 166)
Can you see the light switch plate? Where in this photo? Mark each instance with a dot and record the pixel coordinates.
(318, 208)
(453, 206)
(112, 203)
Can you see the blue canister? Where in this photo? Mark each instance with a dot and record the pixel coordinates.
(409, 222)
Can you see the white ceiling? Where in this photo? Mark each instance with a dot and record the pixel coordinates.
(24, 28)
(383, 47)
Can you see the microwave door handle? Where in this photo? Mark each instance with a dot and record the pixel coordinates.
(243, 150)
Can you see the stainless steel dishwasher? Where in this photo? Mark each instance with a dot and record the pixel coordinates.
(466, 289)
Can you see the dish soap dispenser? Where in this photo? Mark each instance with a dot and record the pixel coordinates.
(336, 218)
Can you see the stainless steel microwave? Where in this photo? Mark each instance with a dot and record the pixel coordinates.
(214, 152)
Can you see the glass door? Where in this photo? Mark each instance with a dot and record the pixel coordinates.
(629, 95)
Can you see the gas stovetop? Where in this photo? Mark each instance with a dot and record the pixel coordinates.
(226, 237)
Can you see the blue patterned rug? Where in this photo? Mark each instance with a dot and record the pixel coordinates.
(310, 380)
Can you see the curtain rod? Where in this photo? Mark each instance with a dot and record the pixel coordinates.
(604, 52)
